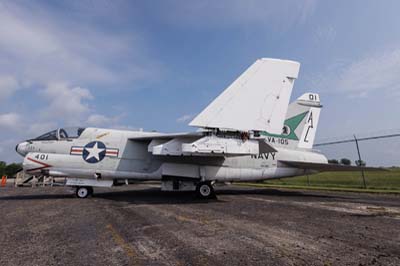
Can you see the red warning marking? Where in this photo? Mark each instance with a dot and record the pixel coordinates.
(44, 165)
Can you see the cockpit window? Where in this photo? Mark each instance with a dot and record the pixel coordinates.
(70, 132)
(62, 133)
(52, 135)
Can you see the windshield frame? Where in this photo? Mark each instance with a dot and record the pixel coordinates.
(51, 135)
(66, 133)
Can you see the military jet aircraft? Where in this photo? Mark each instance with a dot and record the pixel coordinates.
(248, 133)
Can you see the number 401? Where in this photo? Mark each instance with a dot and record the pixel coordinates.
(42, 156)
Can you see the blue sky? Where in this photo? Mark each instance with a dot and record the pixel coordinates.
(155, 64)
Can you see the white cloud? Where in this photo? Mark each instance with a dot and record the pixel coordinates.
(10, 121)
(66, 103)
(325, 34)
(8, 85)
(40, 128)
(233, 13)
(58, 53)
(7, 150)
(42, 46)
(184, 118)
(101, 120)
(379, 72)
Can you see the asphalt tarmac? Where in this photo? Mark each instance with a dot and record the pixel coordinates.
(140, 225)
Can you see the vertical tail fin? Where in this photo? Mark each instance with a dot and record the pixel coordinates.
(301, 123)
(257, 100)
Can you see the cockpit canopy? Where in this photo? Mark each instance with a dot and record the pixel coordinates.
(62, 133)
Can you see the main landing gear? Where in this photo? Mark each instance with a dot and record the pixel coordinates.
(83, 192)
(205, 190)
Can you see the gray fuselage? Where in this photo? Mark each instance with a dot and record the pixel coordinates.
(120, 157)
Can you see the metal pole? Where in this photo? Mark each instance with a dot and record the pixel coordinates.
(308, 180)
(359, 160)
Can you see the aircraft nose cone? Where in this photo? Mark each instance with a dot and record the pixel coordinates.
(21, 148)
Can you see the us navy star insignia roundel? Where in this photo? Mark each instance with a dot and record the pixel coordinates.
(94, 152)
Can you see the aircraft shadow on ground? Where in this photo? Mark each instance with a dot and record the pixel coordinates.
(152, 196)
(38, 197)
(272, 192)
(156, 196)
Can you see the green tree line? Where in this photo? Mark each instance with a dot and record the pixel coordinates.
(346, 161)
(9, 169)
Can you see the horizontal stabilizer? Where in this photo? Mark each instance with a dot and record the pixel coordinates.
(257, 100)
(326, 167)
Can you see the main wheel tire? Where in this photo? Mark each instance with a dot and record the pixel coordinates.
(205, 190)
(83, 192)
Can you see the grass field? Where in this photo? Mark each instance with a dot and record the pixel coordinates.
(382, 180)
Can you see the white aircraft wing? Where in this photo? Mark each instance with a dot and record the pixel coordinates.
(326, 167)
(257, 100)
(202, 144)
(168, 136)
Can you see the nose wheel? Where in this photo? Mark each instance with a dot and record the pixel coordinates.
(84, 192)
(205, 190)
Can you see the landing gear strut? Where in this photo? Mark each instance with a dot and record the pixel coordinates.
(205, 190)
(84, 192)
